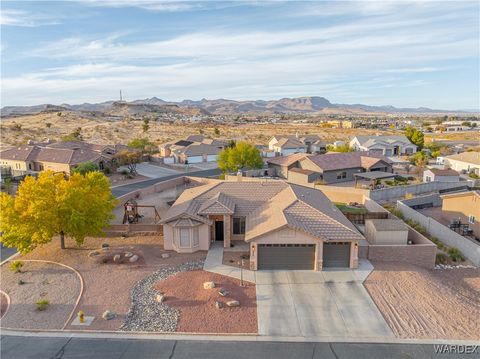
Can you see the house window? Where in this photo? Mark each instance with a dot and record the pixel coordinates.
(195, 237)
(341, 175)
(428, 179)
(238, 225)
(471, 219)
(184, 237)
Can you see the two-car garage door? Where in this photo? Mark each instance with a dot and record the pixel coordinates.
(302, 256)
(286, 256)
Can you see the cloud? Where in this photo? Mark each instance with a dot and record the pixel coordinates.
(159, 6)
(10, 17)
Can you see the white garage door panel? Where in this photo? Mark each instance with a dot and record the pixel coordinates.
(211, 158)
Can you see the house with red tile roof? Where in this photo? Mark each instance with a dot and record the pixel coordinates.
(328, 168)
(286, 226)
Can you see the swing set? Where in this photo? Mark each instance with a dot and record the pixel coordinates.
(131, 215)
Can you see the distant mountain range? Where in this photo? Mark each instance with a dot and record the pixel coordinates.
(154, 105)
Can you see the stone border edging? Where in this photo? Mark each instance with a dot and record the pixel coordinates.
(8, 302)
(66, 266)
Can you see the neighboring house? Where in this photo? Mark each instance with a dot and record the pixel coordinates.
(328, 168)
(386, 145)
(464, 206)
(440, 175)
(287, 144)
(464, 162)
(193, 149)
(58, 157)
(287, 226)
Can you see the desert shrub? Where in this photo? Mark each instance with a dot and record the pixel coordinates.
(441, 258)
(125, 173)
(455, 254)
(21, 282)
(42, 304)
(16, 266)
(107, 170)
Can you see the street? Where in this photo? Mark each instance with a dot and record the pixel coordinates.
(121, 190)
(18, 347)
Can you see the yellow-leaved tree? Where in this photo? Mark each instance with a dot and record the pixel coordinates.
(52, 205)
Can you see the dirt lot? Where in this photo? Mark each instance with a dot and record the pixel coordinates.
(39, 281)
(418, 303)
(198, 313)
(108, 285)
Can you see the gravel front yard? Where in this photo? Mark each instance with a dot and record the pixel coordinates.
(108, 286)
(57, 284)
(198, 314)
(418, 303)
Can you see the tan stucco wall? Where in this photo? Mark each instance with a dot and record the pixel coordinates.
(15, 165)
(462, 207)
(384, 237)
(203, 239)
(55, 167)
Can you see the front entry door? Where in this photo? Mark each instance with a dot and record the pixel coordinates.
(219, 230)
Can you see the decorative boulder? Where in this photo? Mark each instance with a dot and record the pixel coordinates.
(160, 298)
(133, 258)
(105, 246)
(108, 314)
(165, 255)
(218, 305)
(223, 292)
(116, 258)
(128, 254)
(233, 303)
(94, 254)
(208, 285)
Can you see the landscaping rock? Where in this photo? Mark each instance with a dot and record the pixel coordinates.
(133, 258)
(116, 258)
(223, 292)
(105, 246)
(94, 254)
(218, 305)
(128, 254)
(165, 255)
(233, 303)
(108, 314)
(208, 285)
(146, 314)
(160, 298)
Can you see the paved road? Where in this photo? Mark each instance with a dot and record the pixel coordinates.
(121, 190)
(6, 252)
(17, 347)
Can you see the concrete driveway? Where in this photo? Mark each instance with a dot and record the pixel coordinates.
(152, 171)
(317, 304)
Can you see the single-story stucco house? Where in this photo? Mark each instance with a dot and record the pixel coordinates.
(287, 226)
(440, 175)
(386, 145)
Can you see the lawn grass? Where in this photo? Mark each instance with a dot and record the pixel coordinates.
(348, 209)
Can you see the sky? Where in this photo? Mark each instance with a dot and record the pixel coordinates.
(401, 53)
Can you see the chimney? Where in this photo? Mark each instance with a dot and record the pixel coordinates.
(239, 176)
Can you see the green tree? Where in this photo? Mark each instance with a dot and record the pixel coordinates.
(145, 125)
(418, 139)
(142, 144)
(129, 158)
(51, 205)
(409, 130)
(76, 135)
(242, 156)
(342, 148)
(85, 167)
(419, 159)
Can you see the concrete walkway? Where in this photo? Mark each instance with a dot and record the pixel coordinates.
(214, 263)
